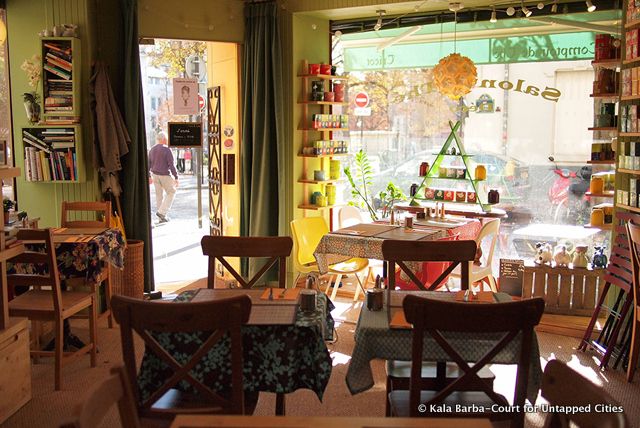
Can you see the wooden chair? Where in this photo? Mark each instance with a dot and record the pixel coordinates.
(507, 320)
(633, 233)
(432, 254)
(116, 389)
(562, 386)
(276, 248)
(219, 318)
(455, 252)
(52, 304)
(102, 212)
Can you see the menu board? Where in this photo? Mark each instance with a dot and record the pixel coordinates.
(511, 276)
(185, 134)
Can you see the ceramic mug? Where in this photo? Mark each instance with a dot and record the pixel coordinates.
(314, 68)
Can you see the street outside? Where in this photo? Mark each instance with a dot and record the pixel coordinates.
(177, 256)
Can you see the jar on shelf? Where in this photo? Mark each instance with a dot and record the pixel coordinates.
(481, 172)
(597, 217)
(494, 196)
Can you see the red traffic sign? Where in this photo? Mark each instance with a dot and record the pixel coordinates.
(200, 102)
(362, 99)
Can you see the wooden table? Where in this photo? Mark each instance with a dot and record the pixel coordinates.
(465, 210)
(201, 421)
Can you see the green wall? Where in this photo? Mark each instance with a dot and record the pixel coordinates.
(24, 20)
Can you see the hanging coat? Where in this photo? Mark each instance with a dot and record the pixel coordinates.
(110, 137)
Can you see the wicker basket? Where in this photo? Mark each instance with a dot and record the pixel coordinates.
(130, 280)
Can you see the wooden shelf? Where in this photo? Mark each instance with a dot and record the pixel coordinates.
(607, 226)
(606, 63)
(604, 128)
(628, 208)
(324, 103)
(602, 162)
(314, 207)
(10, 253)
(322, 76)
(323, 129)
(9, 172)
(304, 181)
(300, 155)
(603, 95)
(631, 61)
(632, 24)
(600, 195)
(629, 97)
(628, 171)
(629, 134)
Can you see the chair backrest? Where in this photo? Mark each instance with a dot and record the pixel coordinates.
(455, 252)
(46, 258)
(307, 233)
(348, 216)
(219, 319)
(511, 319)
(633, 234)
(102, 212)
(275, 248)
(489, 229)
(116, 389)
(562, 386)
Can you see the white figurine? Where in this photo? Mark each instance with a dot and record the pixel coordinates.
(561, 256)
(69, 30)
(543, 253)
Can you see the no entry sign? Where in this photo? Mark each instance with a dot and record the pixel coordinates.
(362, 99)
(200, 102)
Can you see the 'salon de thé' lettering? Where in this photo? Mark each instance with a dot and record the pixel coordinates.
(549, 94)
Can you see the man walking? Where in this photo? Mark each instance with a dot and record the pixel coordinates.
(162, 167)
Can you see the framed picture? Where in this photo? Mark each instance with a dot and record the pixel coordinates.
(185, 96)
(3, 153)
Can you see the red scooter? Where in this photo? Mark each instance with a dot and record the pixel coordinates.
(567, 194)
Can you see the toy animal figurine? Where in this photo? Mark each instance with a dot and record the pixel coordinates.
(561, 256)
(69, 30)
(58, 30)
(543, 253)
(580, 259)
(599, 257)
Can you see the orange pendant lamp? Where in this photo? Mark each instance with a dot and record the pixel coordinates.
(455, 75)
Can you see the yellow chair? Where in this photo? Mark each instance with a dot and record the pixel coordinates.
(307, 233)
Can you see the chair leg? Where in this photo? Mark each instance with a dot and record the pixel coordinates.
(295, 282)
(93, 332)
(107, 293)
(59, 326)
(634, 350)
(387, 407)
(36, 329)
(492, 283)
(360, 287)
(336, 286)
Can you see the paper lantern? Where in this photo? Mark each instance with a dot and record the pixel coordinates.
(455, 75)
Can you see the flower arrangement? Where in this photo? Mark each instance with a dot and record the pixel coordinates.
(33, 68)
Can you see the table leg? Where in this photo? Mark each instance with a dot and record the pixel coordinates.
(441, 375)
(280, 404)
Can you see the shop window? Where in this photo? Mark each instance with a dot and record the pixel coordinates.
(6, 156)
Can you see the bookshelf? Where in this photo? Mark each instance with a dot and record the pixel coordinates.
(53, 154)
(61, 58)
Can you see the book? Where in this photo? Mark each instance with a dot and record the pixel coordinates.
(58, 48)
(38, 146)
(38, 161)
(60, 59)
(57, 71)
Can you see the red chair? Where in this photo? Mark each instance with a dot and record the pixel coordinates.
(430, 272)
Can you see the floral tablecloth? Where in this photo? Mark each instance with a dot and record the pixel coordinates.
(82, 259)
(277, 358)
(375, 340)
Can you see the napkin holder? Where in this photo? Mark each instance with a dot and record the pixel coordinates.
(308, 300)
(375, 297)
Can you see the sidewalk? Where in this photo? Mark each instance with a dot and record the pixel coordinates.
(177, 256)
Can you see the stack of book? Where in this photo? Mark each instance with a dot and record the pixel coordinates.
(58, 83)
(50, 154)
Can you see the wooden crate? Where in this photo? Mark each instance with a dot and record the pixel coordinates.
(15, 367)
(566, 291)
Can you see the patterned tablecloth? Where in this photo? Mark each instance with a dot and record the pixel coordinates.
(82, 259)
(277, 358)
(335, 248)
(375, 340)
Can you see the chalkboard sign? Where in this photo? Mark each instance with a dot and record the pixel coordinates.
(511, 276)
(185, 134)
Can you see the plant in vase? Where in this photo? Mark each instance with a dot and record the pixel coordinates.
(32, 67)
(361, 179)
(7, 205)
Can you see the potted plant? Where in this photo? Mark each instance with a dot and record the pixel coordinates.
(32, 68)
(360, 180)
(7, 205)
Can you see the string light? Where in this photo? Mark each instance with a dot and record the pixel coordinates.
(525, 10)
(511, 11)
(590, 6)
(378, 25)
(554, 6)
(540, 6)
(493, 19)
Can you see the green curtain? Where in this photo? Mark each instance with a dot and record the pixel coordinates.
(262, 126)
(134, 176)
